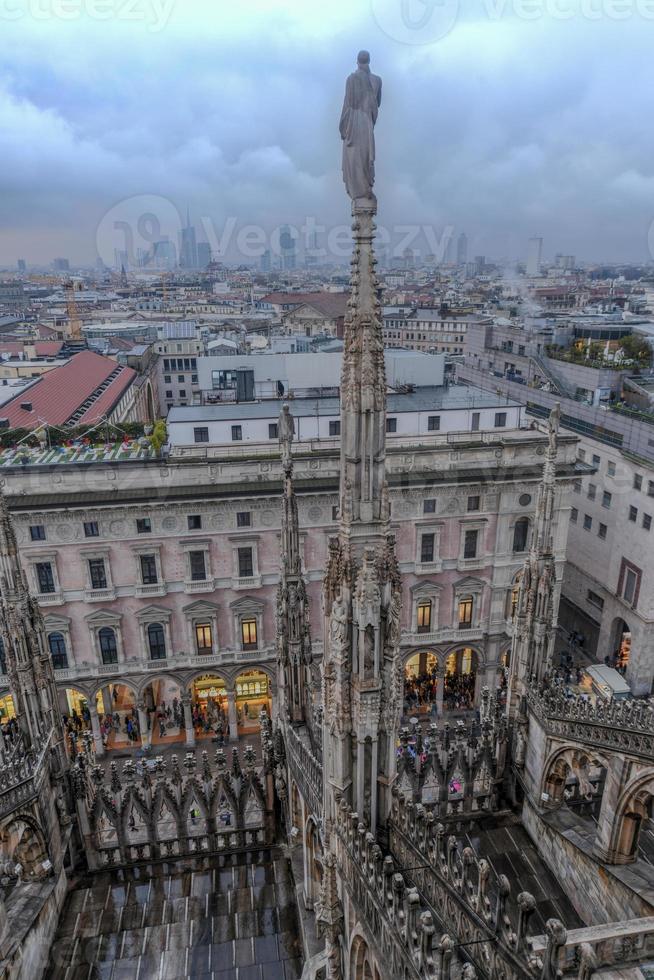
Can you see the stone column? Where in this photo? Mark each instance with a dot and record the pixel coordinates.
(440, 693)
(107, 700)
(361, 771)
(146, 735)
(373, 786)
(95, 728)
(188, 721)
(232, 716)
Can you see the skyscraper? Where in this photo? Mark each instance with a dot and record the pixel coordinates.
(22, 265)
(534, 255)
(61, 265)
(188, 252)
(462, 249)
(264, 262)
(287, 249)
(204, 254)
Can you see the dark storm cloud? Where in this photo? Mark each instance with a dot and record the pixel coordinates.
(504, 127)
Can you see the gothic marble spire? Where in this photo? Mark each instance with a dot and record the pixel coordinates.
(361, 592)
(533, 631)
(27, 657)
(293, 636)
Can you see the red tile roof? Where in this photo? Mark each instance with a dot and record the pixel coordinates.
(48, 348)
(61, 392)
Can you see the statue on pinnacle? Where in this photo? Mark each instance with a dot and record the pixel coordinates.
(357, 128)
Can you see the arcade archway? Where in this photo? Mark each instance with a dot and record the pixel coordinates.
(252, 694)
(460, 679)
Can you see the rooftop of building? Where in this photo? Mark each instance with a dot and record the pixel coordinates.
(87, 386)
(423, 399)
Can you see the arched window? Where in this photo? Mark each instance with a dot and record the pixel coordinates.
(156, 641)
(108, 646)
(520, 534)
(57, 645)
(424, 616)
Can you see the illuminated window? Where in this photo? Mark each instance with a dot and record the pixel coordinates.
(466, 660)
(424, 615)
(203, 638)
(249, 632)
(465, 613)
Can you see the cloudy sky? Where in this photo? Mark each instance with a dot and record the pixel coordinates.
(515, 118)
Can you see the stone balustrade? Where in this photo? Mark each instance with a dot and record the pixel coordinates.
(623, 725)
(581, 952)
(21, 774)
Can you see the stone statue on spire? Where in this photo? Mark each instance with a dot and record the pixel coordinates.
(357, 128)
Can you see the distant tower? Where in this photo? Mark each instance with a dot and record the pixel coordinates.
(204, 255)
(188, 252)
(462, 249)
(287, 247)
(535, 617)
(265, 264)
(534, 256)
(22, 265)
(27, 657)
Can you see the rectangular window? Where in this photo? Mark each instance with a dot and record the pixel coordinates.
(180, 378)
(610, 468)
(97, 573)
(243, 518)
(595, 599)
(249, 633)
(429, 505)
(237, 433)
(424, 616)
(588, 522)
(581, 454)
(475, 422)
(601, 532)
(194, 522)
(629, 588)
(638, 481)
(650, 488)
(335, 512)
(633, 514)
(470, 544)
(474, 502)
(606, 499)
(245, 563)
(201, 433)
(37, 532)
(273, 430)
(91, 529)
(500, 420)
(433, 423)
(182, 392)
(647, 521)
(143, 525)
(203, 638)
(576, 486)
(574, 514)
(45, 577)
(167, 379)
(391, 425)
(596, 460)
(148, 570)
(465, 613)
(197, 566)
(427, 549)
(334, 428)
(592, 491)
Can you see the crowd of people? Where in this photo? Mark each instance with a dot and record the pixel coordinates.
(420, 692)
